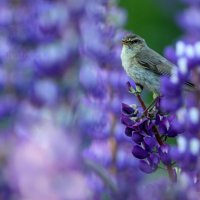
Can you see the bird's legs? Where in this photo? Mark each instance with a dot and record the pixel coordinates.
(156, 98)
(139, 88)
(137, 91)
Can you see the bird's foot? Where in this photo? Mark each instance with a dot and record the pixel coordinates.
(139, 89)
(135, 90)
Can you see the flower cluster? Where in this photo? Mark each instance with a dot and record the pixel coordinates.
(46, 165)
(182, 103)
(149, 128)
(37, 50)
(61, 87)
(178, 113)
(63, 63)
(102, 79)
(38, 76)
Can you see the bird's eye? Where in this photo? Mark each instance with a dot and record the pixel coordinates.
(135, 41)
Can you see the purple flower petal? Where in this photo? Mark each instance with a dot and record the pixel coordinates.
(126, 121)
(174, 104)
(150, 141)
(146, 168)
(127, 110)
(139, 152)
(137, 138)
(165, 157)
(128, 131)
(154, 159)
(131, 85)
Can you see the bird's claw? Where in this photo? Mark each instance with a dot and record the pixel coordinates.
(137, 90)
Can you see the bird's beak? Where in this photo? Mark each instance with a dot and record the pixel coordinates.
(124, 41)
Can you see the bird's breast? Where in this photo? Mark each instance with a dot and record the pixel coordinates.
(144, 77)
(126, 59)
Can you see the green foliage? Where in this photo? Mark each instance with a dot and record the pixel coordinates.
(154, 20)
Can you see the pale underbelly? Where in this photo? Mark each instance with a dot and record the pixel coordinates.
(146, 78)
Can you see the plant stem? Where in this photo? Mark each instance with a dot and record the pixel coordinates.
(141, 102)
(171, 173)
(157, 135)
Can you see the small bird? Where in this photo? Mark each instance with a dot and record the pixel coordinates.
(144, 65)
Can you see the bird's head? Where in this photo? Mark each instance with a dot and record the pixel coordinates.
(133, 43)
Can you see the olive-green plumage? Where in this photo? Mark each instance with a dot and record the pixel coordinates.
(144, 65)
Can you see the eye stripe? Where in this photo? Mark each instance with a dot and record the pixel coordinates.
(132, 39)
(136, 40)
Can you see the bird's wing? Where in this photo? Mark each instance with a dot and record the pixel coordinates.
(154, 62)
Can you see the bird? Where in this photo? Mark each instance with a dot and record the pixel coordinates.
(145, 66)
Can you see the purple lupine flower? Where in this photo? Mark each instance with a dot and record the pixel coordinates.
(102, 79)
(46, 165)
(58, 46)
(184, 106)
(64, 62)
(187, 150)
(36, 58)
(181, 108)
(61, 53)
(141, 128)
